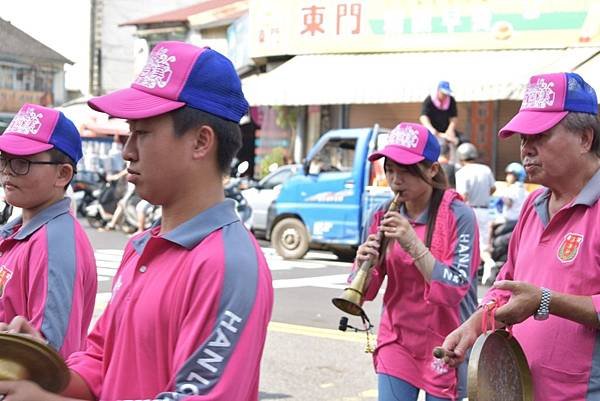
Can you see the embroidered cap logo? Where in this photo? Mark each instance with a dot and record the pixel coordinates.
(157, 72)
(569, 247)
(26, 122)
(539, 95)
(404, 136)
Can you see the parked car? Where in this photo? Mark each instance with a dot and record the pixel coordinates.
(262, 195)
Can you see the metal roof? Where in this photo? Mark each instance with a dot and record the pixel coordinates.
(406, 77)
(182, 14)
(18, 46)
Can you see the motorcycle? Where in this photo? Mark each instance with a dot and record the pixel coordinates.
(233, 190)
(98, 212)
(84, 184)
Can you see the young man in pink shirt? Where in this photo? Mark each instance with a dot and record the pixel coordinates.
(47, 267)
(193, 295)
(549, 288)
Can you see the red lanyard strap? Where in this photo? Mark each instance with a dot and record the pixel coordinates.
(489, 310)
(489, 317)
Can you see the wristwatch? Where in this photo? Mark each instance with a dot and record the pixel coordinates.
(543, 311)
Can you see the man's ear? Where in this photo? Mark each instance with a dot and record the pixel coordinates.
(64, 175)
(203, 141)
(587, 138)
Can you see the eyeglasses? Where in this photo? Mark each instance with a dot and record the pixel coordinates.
(20, 166)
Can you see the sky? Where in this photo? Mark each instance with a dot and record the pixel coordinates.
(63, 25)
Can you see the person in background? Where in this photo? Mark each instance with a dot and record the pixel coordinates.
(439, 114)
(549, 288)
(444, 160)
(476, 184)
(511, 197)
(431, 264)
(193, 296)
(48, 276)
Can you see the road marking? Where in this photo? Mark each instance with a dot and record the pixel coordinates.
(108, 260)
(318, 332)
(335, 281)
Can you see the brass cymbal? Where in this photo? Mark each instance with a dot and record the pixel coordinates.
(498, 369)
(23, 358)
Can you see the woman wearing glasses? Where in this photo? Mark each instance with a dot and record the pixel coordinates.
(47, 266)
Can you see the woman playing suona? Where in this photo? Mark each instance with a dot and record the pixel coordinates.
(431, 262)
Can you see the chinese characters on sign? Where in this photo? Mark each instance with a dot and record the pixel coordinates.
(347, 16)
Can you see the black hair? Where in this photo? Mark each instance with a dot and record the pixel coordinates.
(439, 183)
(229, 134)
(58, 156)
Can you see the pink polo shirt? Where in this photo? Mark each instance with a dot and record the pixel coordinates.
(417, 315)
(48, 274)
(188, 316)
(562, 254)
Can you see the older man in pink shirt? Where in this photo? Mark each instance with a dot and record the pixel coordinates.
(549, 288)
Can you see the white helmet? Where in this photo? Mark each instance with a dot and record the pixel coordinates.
(467, 151)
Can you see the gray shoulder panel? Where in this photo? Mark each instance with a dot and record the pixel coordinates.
(204, 368)
(62, 266)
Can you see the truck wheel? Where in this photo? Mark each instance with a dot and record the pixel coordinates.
(290, 239)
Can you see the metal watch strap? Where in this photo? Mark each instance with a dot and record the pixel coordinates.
(544, 309)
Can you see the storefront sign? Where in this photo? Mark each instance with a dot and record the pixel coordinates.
(291, 27)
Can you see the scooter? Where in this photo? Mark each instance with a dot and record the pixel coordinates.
(84, 184)
(233, 191)
(99, 212)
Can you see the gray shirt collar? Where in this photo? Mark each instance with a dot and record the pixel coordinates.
(190, 233)
(43, 217)
(421, 219)
(588, 196)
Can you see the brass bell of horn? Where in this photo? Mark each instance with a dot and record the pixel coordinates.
(352, 299)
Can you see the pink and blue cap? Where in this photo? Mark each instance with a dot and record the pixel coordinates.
(408, 144)
(179, 74)
(36, 129)
(547, 100)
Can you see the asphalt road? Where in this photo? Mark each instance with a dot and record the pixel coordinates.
(306, 357)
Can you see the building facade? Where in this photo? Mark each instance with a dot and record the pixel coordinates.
(356, 63)
(30, 72)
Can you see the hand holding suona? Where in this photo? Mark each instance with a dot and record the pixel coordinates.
(397, 227)
(367, 255)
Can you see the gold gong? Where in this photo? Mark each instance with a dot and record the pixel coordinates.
(22, 358)
(498, 369)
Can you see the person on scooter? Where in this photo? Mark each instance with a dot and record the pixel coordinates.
(48, 273)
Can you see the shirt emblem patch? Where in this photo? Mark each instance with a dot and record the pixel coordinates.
(569, 247)
(5, 275)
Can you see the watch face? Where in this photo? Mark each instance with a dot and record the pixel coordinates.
(541, 316)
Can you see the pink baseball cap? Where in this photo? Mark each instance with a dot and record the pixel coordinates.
(179, 74)
(409, 143)
(35, 129)
(548, 99)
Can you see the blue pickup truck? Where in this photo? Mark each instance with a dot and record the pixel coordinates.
(324, 206)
